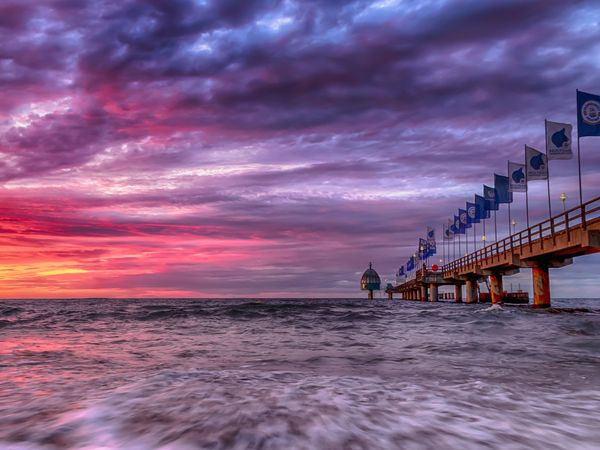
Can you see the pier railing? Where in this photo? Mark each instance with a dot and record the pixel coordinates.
(567, 222)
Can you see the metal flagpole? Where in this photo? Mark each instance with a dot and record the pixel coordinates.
(495, 226)
(467, 239)
(579, 164)
(509, 192)
(526, 188)
(459, 249)
(474, 237)
(548, 168)
(443, 245)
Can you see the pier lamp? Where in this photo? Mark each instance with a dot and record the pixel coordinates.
(514, 224)
(563, 198)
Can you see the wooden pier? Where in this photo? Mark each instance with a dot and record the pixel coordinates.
(552, 243)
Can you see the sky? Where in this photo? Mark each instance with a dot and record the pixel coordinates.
(265, 148)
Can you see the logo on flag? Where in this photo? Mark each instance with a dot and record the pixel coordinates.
(558, 140)
(537, 164)
(517, 180)
(588, 114)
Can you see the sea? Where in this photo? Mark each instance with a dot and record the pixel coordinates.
(186, 374)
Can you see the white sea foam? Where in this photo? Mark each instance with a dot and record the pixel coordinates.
(283, 410)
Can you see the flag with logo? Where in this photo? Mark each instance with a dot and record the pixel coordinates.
(473, 212)
(455, 227)
(448, 233)
(558, 140)
(489, 194)
(537, 164)
(484, 213)
(517, 177)
(410, 264)
(464, 219)
(588, 114)
(503, 193)
(401, 271)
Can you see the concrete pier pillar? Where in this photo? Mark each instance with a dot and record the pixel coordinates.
(433, 292)
(370, 295)
(496, 290)
(541, 286)
(423, 292)
(390, 296)
(471, 291)
(458, 293)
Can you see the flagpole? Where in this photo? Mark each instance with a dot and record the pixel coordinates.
(526, 187)
(467, 239)
(443, 245)
(509, 193)
(474, 237)
(495, 226)
(579, 164)
(548, 167)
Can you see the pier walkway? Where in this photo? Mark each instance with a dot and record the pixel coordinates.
(552, 243)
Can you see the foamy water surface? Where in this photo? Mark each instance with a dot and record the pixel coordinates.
(297, 374)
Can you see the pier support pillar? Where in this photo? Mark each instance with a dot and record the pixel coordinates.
(423, 292)
(433, 292)
(458, 293)
(370, 295)
(541, 286)
(496, 291)
(471, 291)
(390, 296)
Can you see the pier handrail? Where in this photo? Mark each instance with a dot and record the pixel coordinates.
(565, 222)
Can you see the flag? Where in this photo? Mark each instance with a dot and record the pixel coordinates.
(422, 249)
(458, 226)
(430, 234)
(489, 194)
(464, 219)
(484, 213)
(448, 233)
(517, 178)
(537, 164)
(558, 140)
(473, 212)
(588, 114)
(453, 227)
(410, 264)
(401, 271)
(503, 194)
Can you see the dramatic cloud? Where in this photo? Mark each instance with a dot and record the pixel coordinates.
(271, 147)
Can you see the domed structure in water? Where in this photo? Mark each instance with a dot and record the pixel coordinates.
(370, 281)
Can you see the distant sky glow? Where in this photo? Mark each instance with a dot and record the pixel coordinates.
(225, 148)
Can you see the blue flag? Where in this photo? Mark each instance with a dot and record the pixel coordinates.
(473, 212)
(501, 184)
(410, 264)
(401, 271)
(458, 226)
(489, 194)
(588, 114)
(483, 212)
(464, 219)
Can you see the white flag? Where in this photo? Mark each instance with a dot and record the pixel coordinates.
(558, 140)
(537, 164)
(517, 181)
